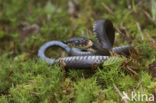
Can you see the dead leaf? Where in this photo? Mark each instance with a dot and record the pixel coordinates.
(73, 8)
(152, 42)
(152, 69)
(27, 30)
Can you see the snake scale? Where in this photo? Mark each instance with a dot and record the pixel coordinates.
(96, 52)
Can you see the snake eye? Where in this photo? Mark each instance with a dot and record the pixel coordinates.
(76, 42)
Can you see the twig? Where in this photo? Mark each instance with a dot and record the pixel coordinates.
(100, 94)
(140, 32)
(149, 17)
(118, 91)
(139, 84)
(118, 30)
(124, 34)
(149, 38)
(132, 71)
(87, 33)
(67, 85)
(35, 93)
(152, 42)
(107, 8)
(82, 33)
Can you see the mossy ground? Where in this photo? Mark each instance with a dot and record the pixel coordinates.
(24, 78)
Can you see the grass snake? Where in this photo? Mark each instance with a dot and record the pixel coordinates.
(83, 52)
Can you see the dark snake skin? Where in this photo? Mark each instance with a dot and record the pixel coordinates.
(79, 59)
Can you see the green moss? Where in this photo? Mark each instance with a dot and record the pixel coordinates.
(3, 99)
(26, 79)
(86, 90)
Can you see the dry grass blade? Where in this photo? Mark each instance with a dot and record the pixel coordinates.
(124, 30)
(132, 71)
(119, 92)
(140, 32)
(149, 17)
(35, 93)
(100, 95)
(73, 9)
(152, 42)
(107, 8)
(124, 33)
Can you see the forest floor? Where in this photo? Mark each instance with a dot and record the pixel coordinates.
(26, 24)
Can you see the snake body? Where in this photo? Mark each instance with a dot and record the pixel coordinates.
(79, 59)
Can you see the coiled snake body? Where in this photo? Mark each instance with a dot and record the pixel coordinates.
(97, 52)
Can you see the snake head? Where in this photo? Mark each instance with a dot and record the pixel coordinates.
(79, 42)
